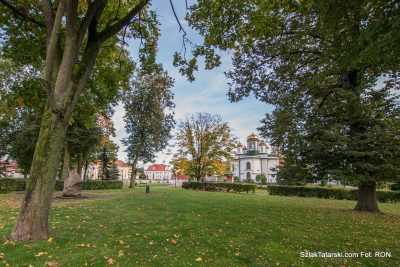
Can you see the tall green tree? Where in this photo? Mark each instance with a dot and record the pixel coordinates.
(320, 63)
(204, 145)
(149, 117)
(74, 33)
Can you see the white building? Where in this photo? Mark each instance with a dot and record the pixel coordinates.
(93, 172)
(158, 172)
(256, 159)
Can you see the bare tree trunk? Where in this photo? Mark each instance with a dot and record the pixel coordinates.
(67, 159)
(86, 168)
(367, 200)
(133, 173)
(80, 164)
(33, 219)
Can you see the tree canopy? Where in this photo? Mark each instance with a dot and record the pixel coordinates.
(204, 144)
(329, 68)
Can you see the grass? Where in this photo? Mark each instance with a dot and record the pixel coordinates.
(177, 227)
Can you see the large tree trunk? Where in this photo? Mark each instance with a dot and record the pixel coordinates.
(67, 159)
(367, 197)
(33, 219)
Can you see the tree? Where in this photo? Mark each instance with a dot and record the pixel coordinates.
(204, 143)
(321, 64)
(261, 178)
(107, 156)
(74, 33)
(148, 117)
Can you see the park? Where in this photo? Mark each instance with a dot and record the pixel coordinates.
(199, 132)
(184, 227)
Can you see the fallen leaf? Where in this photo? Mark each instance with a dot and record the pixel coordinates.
(110, 261)
(173, 242)
(2, 255)
(199, 259)
(120, 253)
(40, 254)
(52, 264)
(121, 242)
(50, 240)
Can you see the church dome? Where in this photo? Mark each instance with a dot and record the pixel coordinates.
(252, 137)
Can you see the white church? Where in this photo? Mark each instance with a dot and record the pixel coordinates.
(256, 158)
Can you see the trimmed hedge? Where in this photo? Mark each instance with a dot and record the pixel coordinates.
(220, 187)
(94, 184)
(7, 185)
(11, 184)
(334, 193)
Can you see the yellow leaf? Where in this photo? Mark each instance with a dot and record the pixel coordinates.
(121, 242)
(50, 240)
(173, 242)
(110, 261)
(40, 254)
(1, 226)
(120, 253)
(199, 259)
(52, 264)
(2, 255)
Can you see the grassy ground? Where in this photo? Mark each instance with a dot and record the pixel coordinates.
(180, 228)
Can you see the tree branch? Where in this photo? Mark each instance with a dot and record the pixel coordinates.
(93, 9)
(51, 53)
(20, 14)
(116, 27)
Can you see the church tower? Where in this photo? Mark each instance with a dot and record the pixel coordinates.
(252, 143)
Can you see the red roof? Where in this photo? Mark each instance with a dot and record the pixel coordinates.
(121, 163)
(157, 167)
(182, 177)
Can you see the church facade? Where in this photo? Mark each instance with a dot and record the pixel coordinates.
(255, 159)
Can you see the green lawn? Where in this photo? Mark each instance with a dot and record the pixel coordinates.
(173, 227)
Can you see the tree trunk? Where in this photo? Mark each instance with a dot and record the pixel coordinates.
(86, 168)
(133, 173)
(67, 159)
(33, 219)
(367, 197)
(80, 164)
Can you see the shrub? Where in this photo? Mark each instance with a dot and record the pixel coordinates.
(220, 187)
(334, 193)
(94, 184)
(7, 185)
(20, 184)
(395, 186)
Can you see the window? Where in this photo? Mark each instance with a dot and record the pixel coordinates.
(233, 167)
(248, 165)
(248, 175)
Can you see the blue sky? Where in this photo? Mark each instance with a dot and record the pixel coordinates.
(208, 93)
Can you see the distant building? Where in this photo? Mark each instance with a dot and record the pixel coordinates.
(124, 169)
(256, 158)
(11, 169)
(158, 172)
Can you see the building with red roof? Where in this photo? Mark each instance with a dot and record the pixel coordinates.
(158, 172)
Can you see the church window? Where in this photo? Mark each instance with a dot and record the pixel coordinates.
(248, 175)
(248, 165)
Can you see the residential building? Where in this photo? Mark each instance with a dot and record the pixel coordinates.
(158, 172)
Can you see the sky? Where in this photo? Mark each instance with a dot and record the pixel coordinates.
(208, 93)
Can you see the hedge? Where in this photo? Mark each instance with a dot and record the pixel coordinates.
(220, 187)
(334, 193)
(11, 184)
(7, 185)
